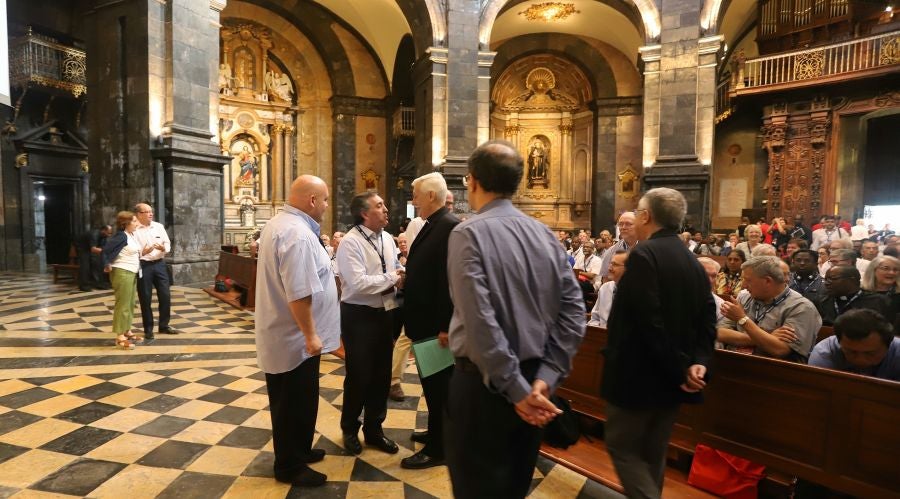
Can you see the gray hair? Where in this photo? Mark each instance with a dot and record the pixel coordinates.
(868, 280)
(840, 244)
(844, 254)
(765, 266)
(705, 260)
(667, 207)
(432, 182)
(763, 250)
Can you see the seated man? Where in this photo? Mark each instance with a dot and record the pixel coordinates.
(805, 278)
(600, 312)
(863, 343)
(588, 267)
(771, 319)
(712, 268)
(844, 293)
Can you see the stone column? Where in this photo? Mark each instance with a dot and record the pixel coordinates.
(152, 81)
(565, 158)
(679, 102)
(464, 64)
(288, 159)
(485, 61)
(430, 76)
(345, 109)
(278, 167)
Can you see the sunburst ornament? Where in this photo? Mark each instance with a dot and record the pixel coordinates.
(549, 11)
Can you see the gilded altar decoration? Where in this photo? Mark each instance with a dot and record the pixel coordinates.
(538, 162)
(628, 183)
(370, 178)
(890, 51)
(21, 160)
(84, 166)
(549, 11)
(809, 65)
(541, 94)
(279, 85)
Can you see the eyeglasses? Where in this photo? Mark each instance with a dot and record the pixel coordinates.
(465, 180)
(150, 211)
(885, 268)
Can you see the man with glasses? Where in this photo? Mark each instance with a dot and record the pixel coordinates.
(155, 245)
(627, 239)
(844, 294)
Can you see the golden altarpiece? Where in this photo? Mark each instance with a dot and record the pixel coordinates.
(540, 105)
(257, 129)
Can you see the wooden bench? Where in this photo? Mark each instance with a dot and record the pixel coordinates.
(835, 429)
(62, 271)
(242, 271)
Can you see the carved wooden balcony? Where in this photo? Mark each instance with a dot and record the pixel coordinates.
(37, 60)
(858, 58)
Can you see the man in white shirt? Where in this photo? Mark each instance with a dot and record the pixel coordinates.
(370, 276)
(297, 319)
(600, 312)
(154, 241)
(627, 239)
(588, 269)
(828, 233)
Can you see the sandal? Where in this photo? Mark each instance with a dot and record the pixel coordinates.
(123, 343)
(130, 336)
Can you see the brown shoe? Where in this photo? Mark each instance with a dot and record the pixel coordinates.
(396, 393)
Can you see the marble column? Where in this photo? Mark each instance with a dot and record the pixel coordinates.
(565, 159)
(152, 81)
(430, 77)
(289, 168)
(679, 101)
(278, 167)
(345, 109)
(464, 65)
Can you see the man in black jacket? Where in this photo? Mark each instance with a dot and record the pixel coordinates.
(90, 265)
(427, 308)
(661, 335)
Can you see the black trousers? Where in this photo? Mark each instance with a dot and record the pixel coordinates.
(294, 404)
(368, 345)
(155, 275)
(436, 388)
(85, 279)
(490, 450)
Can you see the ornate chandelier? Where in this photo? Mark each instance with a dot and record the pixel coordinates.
(549, 11)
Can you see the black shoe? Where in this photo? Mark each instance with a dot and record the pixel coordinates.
(351, 443)
(314, 456)
(421, 461)
(308, 477)
(168, 330)
(148, 340)
(420, 436)
(383, 444)
(85, 289)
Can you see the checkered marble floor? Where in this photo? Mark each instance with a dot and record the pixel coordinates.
(186, 416)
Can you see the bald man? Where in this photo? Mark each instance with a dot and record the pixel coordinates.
(297, 319)
(154, 241)
(627, 239)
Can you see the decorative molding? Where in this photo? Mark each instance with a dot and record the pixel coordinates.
(549, 11)
(21, 160)
(84, 166)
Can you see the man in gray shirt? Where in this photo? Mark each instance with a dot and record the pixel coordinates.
(514, 331)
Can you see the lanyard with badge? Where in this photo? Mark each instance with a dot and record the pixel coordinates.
(377, 252)
(840, 310)
(761, 313)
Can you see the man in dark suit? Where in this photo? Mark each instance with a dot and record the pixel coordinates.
(90, 266)
(428, 308)
(661, 333)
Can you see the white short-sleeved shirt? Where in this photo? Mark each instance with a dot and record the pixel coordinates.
(600, 312)
(292, 265)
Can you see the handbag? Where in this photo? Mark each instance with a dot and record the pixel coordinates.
(563, 430)
(724, 474)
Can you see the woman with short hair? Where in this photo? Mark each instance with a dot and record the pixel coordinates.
(121, 258)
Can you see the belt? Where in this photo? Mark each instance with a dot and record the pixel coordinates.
(467, 366)
(146, 263)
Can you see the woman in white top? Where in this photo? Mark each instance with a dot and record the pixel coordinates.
(754, 236)
(859, 231)
(121, 256)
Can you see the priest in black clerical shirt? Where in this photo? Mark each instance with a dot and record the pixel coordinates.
(844, 293)
(805, 278)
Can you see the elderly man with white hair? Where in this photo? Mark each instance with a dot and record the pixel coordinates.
(771, 319)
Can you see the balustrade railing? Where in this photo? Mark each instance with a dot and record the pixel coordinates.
(405, 122)
(862, 54)
(43, 61)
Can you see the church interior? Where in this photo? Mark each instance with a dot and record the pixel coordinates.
(209, 109)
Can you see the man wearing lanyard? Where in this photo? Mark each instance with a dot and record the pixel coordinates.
(370, 275)
(844, 293)
(806, 279)
(155, 245)
(772, 319)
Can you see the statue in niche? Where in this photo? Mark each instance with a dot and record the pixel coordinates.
(249, 167)
(279, 85)
(538, 163)
(245, 64)
(225, 78)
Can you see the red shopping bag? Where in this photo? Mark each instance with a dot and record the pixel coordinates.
(725, 475)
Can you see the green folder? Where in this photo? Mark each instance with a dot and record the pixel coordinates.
(431, 357)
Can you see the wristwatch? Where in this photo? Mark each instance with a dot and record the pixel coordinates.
(743, 320)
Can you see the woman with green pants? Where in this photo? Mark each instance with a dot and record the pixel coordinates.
(121, 257)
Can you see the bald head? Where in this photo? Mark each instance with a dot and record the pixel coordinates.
(626, 227)
(309, 194)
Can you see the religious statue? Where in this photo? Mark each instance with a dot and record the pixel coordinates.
(279, 85)
(225, 78)
(249, 167)
(538, 162)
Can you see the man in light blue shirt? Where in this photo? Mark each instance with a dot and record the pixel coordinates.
(863, 343)
(297, 319)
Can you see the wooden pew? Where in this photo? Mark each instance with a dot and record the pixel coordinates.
(827, 427)
(70, 268)
(242, 271)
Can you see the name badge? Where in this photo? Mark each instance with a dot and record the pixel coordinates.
(390, 301)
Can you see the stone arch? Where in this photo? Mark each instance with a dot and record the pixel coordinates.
(650, 18)
(591, 62)
(429, 27)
